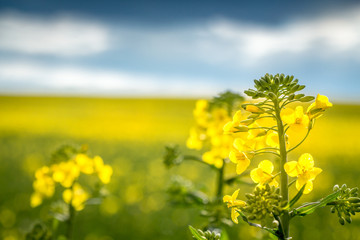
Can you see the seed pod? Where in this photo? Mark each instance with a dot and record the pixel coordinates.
(354, 190)
(354, 200)
(341, 220)
(348, 219)
(332, 210)
(291, 97)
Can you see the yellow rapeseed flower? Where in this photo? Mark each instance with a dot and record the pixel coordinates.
(263, 174)
(240, 159)
(65, 173)
(317, 108)
(304, 170)
(297, 120)
(234, 204)
(85, 163)
(77, 196)
(104, 171)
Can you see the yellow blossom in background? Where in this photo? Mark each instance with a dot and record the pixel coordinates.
(201, 113)
(234, 204)
(304, 170)
(213, 157)
(208, 131)
(196, 138)
(104, 171)
(263, 174)
(65, 173)
(76, 196)
(85, 163)
(43, 185)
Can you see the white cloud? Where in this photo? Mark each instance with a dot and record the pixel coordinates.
(64, 79)
(335, 34)
(60, 36)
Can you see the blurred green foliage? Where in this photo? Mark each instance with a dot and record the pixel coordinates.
(130, 134)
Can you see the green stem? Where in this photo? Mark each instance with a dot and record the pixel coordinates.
(220, 182)
(70, 221)
(285, 218)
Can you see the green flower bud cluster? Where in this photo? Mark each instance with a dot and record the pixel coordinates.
(209, 235)
(182, 192)
(346, 204)
(265, 201)
(172, 156)
(38, 232)
(273, 86)
(228, 100)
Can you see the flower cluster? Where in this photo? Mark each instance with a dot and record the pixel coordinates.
(66, 174)
(272, 125)
(209, 129)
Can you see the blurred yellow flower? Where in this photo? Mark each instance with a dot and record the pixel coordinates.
(213, 157)
(76, 196)
(304, 170)
(263, 174)
(234, 204)
(104, 171)
(65, 173)
(85, 163)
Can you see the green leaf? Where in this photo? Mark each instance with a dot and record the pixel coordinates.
(196, 233)
(297, 196)
(311, 207)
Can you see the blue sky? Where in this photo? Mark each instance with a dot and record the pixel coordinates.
(177, 48)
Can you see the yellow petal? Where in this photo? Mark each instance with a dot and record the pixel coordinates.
(314, 172)
(308, 187)
(311, 107)
(322, 102)
(272, 139)
(234, 195)
(234, 215)
(274, 183)
(288, 116)
(227, 198)
(242, 166)
(266, 166)
(290, 168)
(239, 203)
(254, 174)
(306, 161)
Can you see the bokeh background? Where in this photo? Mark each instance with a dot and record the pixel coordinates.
(123, 76)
